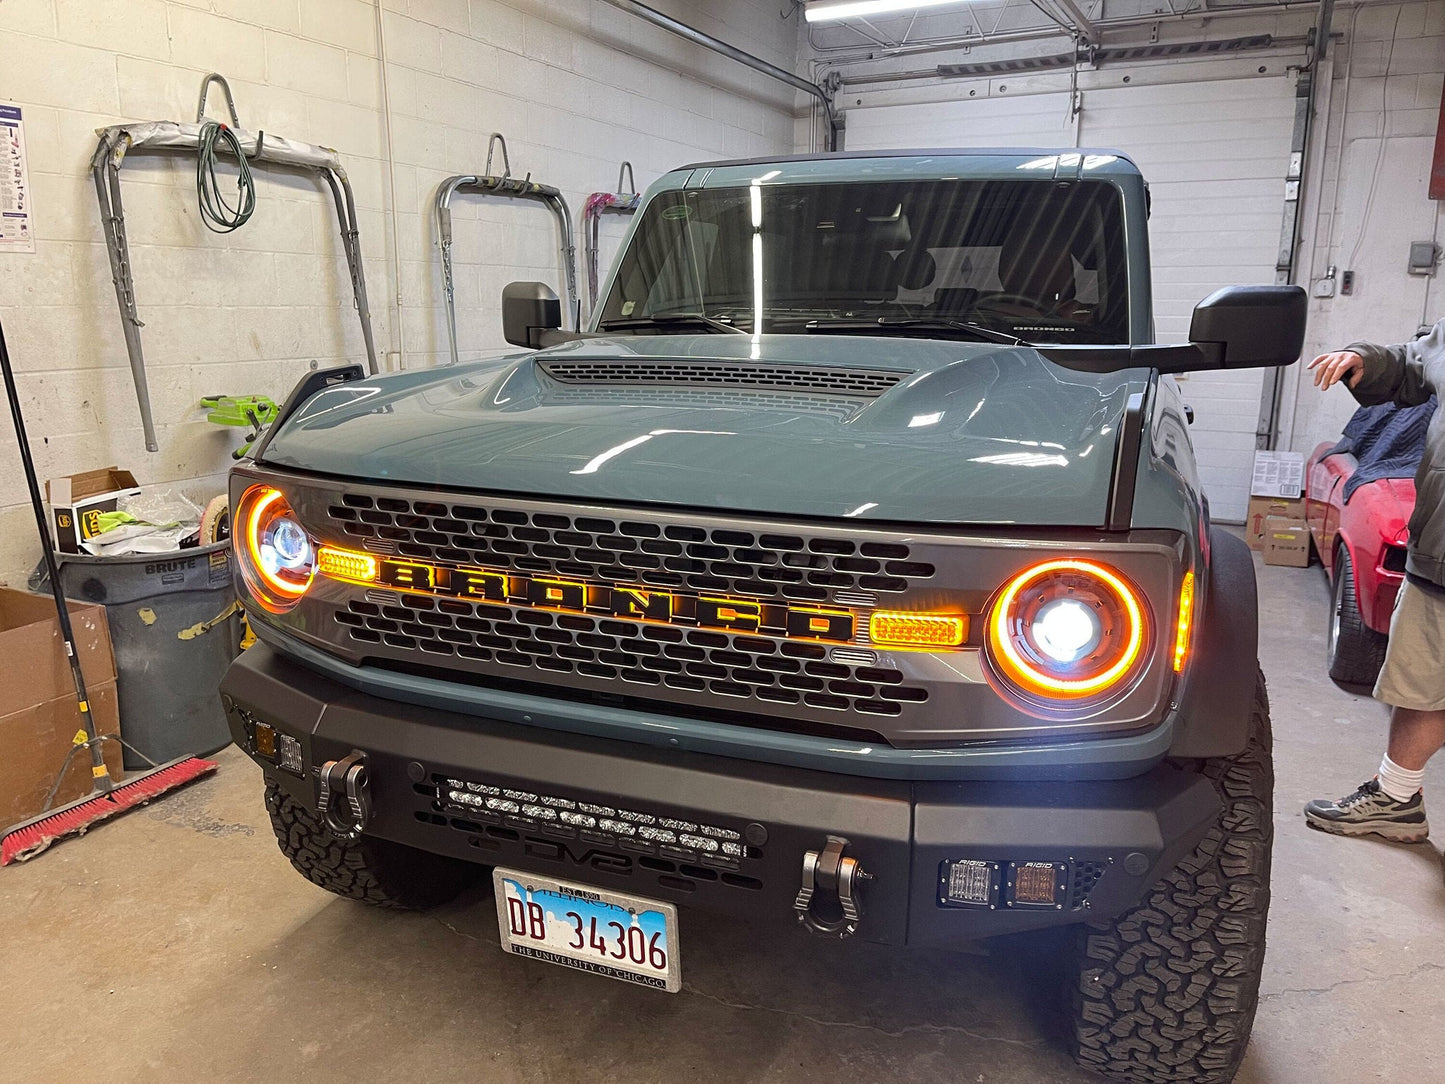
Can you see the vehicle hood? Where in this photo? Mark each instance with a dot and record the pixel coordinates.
(967, 433)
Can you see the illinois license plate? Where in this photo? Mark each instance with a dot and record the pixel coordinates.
(605, 933)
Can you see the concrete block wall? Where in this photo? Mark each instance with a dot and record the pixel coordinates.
(1372, 199)
(408, 96)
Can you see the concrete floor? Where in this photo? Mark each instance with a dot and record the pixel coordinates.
(177, 943)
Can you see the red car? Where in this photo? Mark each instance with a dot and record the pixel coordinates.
(1362, 544)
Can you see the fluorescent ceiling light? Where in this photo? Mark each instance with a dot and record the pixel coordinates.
(833, 10)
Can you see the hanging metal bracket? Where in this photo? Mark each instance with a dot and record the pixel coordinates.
(503, 186)
(624, 201)
(216, 77)
(164, 136)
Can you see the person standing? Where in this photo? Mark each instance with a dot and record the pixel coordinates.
(1412, 680)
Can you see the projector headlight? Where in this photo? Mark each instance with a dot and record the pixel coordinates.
(276, 555)
(1066, 631)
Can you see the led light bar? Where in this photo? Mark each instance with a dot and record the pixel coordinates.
(523, 808)
(917, 630)
(346, 565)
(833, 10)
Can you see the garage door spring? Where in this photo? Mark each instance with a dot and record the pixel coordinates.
(216, 212)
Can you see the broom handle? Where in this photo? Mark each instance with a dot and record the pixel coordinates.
(101, 778)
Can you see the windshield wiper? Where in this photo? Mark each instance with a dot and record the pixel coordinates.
(668, 320)
(915, 323)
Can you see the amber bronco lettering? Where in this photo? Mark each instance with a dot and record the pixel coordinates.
(626, 601)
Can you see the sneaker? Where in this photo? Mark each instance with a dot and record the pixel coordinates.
(1369, 810)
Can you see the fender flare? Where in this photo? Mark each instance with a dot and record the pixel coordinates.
(1218, 700)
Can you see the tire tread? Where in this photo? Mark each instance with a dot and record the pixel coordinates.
(1167, 993)
(370, 870)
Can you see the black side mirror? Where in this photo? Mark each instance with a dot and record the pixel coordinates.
(1251, 327)
(1238, 327)
(528, 310)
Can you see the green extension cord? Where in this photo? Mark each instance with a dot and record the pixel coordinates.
(218, 214)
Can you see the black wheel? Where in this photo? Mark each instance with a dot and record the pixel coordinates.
(1167, 992)
(1356, 651)
(374, 871)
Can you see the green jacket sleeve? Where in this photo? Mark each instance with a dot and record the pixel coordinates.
(1397, 374)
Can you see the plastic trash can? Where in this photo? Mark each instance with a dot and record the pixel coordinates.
(176, 626)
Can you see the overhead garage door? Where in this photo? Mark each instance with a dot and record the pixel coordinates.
(1214, 153)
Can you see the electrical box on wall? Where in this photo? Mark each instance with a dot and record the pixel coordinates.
(1424, 255)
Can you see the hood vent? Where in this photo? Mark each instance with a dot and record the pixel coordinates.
(731, 374)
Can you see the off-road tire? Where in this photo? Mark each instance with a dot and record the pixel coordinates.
(375, 871)
(1167, 992)
(1356, 651)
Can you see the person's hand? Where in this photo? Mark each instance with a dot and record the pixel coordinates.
(1330, 369)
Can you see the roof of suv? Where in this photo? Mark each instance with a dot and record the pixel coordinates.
(987, 159)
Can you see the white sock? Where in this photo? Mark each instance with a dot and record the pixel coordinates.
(1399, 783)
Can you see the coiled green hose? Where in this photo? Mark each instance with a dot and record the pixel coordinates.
(216, 212)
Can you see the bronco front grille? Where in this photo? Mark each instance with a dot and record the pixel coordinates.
(752, 672)
(869, 382)
(781, 565)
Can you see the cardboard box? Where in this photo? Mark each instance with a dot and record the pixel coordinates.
(1286, 542)
(38, 714)
(1262, 509)
(77, 501)
(1278, 474)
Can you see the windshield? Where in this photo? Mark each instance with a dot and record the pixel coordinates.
(1039, 261)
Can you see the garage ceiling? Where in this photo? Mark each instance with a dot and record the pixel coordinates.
(991, 22)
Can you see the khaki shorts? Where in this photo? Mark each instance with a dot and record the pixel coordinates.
(1414, 672)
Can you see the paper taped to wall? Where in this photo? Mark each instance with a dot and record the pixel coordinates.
(17, 233)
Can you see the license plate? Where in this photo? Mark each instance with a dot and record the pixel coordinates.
(605, 933)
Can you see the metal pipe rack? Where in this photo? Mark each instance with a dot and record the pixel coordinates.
(622, 201)
(169, 137)
(503, 186)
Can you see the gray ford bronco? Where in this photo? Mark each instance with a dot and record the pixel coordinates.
(849, 573)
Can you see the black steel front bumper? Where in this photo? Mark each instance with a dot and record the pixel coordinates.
(1109, 840)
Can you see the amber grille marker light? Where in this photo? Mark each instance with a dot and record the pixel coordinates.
(917, 630)
(1006, 630)
(1186, 619)
(346, 565)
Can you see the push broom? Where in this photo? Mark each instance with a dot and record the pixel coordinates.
(106, 797)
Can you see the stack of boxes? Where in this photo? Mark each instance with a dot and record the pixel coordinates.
(1276, 520)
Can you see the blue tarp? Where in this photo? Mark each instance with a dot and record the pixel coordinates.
(1387, 440)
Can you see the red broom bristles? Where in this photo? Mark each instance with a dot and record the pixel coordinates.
(28, 840)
